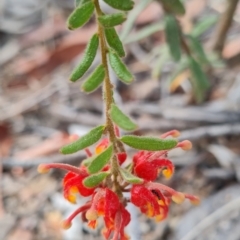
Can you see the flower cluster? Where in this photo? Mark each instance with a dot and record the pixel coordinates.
(152, 198)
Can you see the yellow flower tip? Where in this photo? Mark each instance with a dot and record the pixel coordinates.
(167, 173)
(195, 201)
(99, 149)
(178, 197)
(66, 224)
(91, 215)
(185, 145)
(43, 168)
(72, 199)
(159, 218)
(71, 195)
(175, 133)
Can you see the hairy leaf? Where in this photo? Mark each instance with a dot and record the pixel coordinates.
(121, 119)
(124, 5)
(130, 178)
(94, 80)
(114, 42)
(95, 179)
(112, 20)
(100, 160)
(120, 68)
(80, 15)
(85, 141)
(89, 55)
(148, 143)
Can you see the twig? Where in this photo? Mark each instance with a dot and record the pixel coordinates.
(212, 218)
(30, 101)
(13, 162)
(224, 25)
(210, 131)
(1, 195)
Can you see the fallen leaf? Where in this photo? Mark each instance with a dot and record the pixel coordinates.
(231, 48)
(5, 140)
(47, 147)
(151, 13)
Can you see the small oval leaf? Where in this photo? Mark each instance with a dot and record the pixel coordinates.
(149, 143)
(124, 5)
(80, 15)
(173, 6)
(95, 179)
(86, 162)
(114, 41)
(121, 119)
(173, 36)
(100, 160)
(198, 50)
(94, 80)
(85, 141)
(199, 80)
(112, 20)
(120, 68)
(130, 178)
(88, 57)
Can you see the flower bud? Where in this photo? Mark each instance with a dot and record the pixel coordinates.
(43, 168)
(173, 133)
(91, 215)
(185, 145)
(66, 224)
(178, 197)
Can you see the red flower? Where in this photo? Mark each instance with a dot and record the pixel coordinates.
(73, 180)
(106, 203)
(147, 165)
(154, 199)
(151, 202)
(73, 183)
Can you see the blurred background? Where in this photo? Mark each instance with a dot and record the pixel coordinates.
(40, 109)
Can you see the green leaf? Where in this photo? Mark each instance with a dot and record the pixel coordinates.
(121, 119)
(86, 162)
(181, 66)
(173, 6)
(87, 60)
(80, 15)
(198, 50)
(173, 36)
(112, 20)
(78, 2)
(100, 160)
(114, 41)
(95, 179)
(94, 80)
(148, 143)
(199, 80)
(124, 5)
(130, 178)
(204, 25)
(120, 68)
(85, 141)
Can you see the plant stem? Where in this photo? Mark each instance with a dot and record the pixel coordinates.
(108, 99)
(224, 25)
